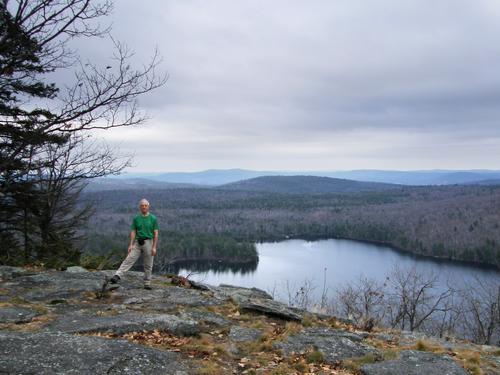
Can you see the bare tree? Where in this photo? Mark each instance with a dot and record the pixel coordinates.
(362, 301)
(481, 306)
(301, 297)
(163, 262)
(413, 298)
(38, 119)
(446, 323)
(60, 214)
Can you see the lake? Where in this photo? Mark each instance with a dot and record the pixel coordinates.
(295, 261)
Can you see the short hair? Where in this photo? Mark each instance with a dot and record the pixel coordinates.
(143, 200)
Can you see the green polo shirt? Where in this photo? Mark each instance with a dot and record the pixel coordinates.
(144, 226)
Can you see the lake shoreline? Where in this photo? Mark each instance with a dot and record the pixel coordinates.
(227, 261)
(288, 268)
(438, 259)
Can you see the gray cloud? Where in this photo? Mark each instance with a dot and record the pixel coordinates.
(316, 85)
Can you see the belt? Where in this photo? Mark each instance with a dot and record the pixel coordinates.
(140, 241)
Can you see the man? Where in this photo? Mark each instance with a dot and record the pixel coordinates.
(143, 238)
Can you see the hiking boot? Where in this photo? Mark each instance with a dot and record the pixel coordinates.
(148, 287)
(114, 279)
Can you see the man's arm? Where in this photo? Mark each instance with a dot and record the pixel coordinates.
(132, 238)
(155, 242)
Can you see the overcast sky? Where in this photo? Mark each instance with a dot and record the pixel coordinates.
(315, 85)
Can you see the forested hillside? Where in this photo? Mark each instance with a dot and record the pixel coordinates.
(455, 222)
(305, 184)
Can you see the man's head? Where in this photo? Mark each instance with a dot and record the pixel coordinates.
(144, 206)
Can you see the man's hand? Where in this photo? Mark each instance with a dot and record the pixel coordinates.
(129, 248)
(153, 251)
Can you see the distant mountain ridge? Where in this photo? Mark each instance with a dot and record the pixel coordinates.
(305, 184)
(420, 177)
(101, 184)
(212, 176)
(218, 177)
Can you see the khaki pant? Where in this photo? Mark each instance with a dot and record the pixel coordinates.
(134, 255)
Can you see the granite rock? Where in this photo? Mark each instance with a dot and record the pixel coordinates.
(411, 362)
(9, 272)
(244, 334)
(76, 269)
(270, 307)
(120, 323)
(237, 293)
(207, 317)
(335, 345)
(17, 314)
(59, 353)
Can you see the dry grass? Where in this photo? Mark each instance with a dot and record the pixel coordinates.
(470, 360)
(207, 346)
(298, 365)
(259, 324)
(381, 344)
(96, 295)
(209, 368)
(264, 344)
(228, 309)
(162, 283)
(214, 353)
(428, 346)
(210, 352)
(20, 302)
(355, 364)
(110, 312)
(315, 357)
(310, 320)
(36, 324)
(291, 328)
(389, 354)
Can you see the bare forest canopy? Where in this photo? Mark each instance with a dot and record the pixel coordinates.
(452, 222)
